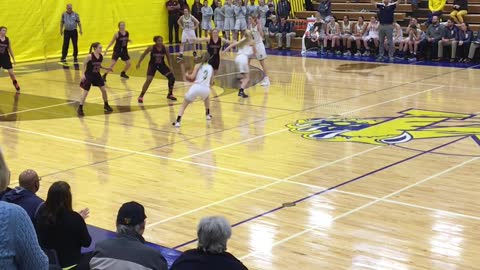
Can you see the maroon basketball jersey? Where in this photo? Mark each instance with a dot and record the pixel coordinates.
(157, 55)
(93, 66)
(4, 46)
(122, 41)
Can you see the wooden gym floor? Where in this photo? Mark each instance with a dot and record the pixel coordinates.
(387, 180)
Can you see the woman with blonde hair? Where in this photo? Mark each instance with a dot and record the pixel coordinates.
(246, 48)
(201, 76)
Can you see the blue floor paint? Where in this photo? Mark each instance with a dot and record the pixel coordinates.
(170, 254)
(99, 235)
(313, 54)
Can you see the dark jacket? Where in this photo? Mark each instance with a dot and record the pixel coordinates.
(199, 260)
(267, 15)
(2, 193)
(285, 28)
(26, 199)
(325, 8)
(283, 8)
(273, 27)
(67, 236)
(466, 36)
(450, 33)
(126, 252)
(477, 37)
(197, 11)
(462, 3)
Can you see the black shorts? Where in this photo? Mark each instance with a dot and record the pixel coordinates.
(94, 79)
(122, 54)
(214, 62)
(162, 68)
(5, 62)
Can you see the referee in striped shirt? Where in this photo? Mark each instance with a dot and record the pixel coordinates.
(68, 28)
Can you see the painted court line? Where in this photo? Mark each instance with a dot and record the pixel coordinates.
(139, 153)
(205, 165)
(186, 84)
(286, 129)
(52, 106)
(335, 187)
(258, 188)
(366, 205)
(450, 213)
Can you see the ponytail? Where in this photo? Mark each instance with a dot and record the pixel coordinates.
(205, 58)
(93, 46)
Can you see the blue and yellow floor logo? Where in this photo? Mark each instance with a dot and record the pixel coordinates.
(410, 125)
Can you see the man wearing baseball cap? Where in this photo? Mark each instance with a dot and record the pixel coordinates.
(128, 249)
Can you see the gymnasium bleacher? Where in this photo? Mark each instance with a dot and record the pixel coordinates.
(366, 8)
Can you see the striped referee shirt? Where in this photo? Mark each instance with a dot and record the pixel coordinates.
(70, 20)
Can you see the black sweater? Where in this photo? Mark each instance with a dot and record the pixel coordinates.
(462, 3)
(199, 260)
(67, 236)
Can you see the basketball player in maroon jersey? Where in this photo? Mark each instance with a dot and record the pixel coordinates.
(92, 65)
(120, 50)
(5, 54)
(214, 48)
(158, 52)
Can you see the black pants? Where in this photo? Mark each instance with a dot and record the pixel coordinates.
(172, 23)
(67, 35)
(462, 51)
(433, 47)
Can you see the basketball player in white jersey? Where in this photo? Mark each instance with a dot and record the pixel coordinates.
(261, 54)
(188, 24)
(246, 48)
(202, 80)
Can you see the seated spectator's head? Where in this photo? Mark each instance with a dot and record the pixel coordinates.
(413, 21)
(213, 234)
(346, 18)
(273, 18)
(4, 173)
(271, 8)
(59, 199)
(450, 23)
(131, 219)
(434, 19)
(361, 19)
(373, 19)
(464, 26)
(29, 180)
(283, 20)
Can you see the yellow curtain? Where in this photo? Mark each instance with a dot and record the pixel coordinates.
(34, 25)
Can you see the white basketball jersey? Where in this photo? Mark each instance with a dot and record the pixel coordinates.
(188, 23)
(245, 50)
(256, 35)
(204, 75)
